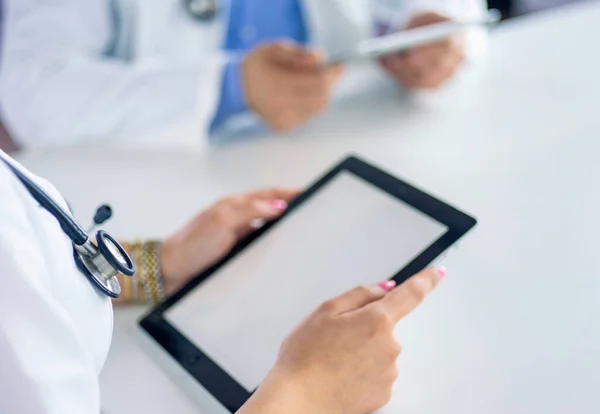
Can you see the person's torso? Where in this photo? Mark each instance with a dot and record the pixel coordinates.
(34, 239)
(164, 28)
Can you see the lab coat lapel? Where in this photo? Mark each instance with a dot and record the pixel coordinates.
(166, 29)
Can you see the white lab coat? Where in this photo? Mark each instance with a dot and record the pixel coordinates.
(55, 328)
(116, 71)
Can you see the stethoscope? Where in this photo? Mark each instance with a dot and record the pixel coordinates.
(100, 262)
(203, 11)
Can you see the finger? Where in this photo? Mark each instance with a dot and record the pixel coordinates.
(283, 194)
(411, 79)
(397, 64)
(294, 55)
(314, 84)
(402, 72)
(392, 60)
(312, 60)
(333, 73)
(419, 60)
(358, 297)
(425, 19)
(430, 69)
(286, 52)
(439, 47)
(428, 57)
(239, 214)
(435, 51)
(406, 297)
(303, 84)
(437, 75)
(311, 83)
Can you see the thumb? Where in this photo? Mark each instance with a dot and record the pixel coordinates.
(290, 53)
(334, 73)
(425, 19)
(247, 214)
(410, 294)
(359, 297)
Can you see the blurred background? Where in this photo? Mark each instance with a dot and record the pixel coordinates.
(25, 122)
(512, 8)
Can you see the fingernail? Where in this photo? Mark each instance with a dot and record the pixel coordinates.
(442, 271)
(257, 223)
(387, 285)
(279, 205)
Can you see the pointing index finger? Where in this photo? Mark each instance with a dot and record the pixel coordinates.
(276, 194)
(410, 294)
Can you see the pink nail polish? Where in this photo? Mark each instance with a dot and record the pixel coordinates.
(279, 205)
(387, 285)
(442, 271)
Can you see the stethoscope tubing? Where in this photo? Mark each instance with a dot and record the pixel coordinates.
(96, 262)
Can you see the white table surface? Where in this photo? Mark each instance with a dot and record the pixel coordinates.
(513, 329)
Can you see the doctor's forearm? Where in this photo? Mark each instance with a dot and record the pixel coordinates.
(282, 393)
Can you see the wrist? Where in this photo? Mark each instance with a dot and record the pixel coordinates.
(171, 270)
(291, 393)
(146, 285)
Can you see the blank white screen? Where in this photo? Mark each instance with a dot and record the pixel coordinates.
(349, 233)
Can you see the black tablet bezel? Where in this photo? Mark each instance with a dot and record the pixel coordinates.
(208, 373)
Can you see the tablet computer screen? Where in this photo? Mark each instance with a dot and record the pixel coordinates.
(357, 226)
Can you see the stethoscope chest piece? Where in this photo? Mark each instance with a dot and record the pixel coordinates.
(202, 10)
(109, 286)
(102, 263)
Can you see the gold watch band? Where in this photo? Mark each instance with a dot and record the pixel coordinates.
(146, 285)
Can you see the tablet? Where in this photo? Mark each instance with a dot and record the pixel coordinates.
(408, 39)
(355, 226)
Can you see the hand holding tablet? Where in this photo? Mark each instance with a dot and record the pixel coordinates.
(355, 226)
(430, 65)
(424, 56)
(423, 30)
(210, 235)
(342, 358)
